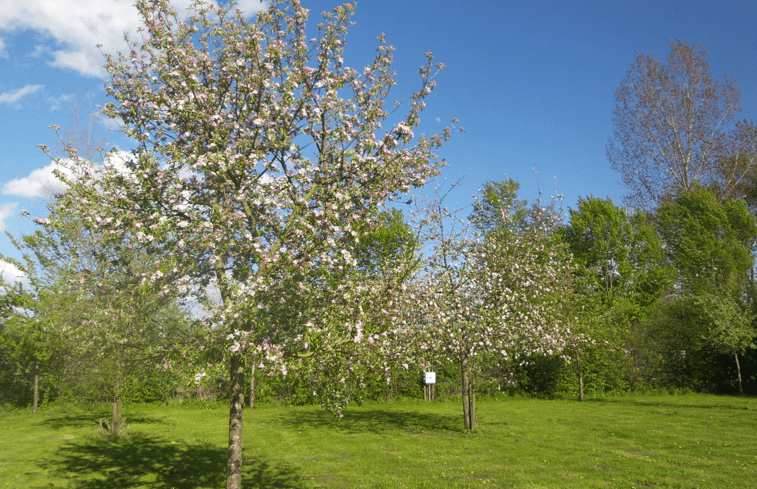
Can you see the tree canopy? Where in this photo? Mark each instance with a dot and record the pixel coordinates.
(620, 253)
(672, 125)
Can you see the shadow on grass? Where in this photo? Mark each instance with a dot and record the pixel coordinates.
(140, 460)
(89, 420)
(667, 403)
(373, 420)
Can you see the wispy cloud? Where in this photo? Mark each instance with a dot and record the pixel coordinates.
(41, 182)
(78, 26)
(14, 96)
(6, 211)
(56, 102)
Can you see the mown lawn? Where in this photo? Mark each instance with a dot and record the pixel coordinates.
(657, 441)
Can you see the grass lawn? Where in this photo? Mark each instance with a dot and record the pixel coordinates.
(657, 441)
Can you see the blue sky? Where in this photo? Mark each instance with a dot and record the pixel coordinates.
(532, 82)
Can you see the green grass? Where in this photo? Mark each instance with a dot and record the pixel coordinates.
(653, 441)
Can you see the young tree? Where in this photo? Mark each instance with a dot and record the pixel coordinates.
(258, 152)
(727, 324)
(671, 125)
(91, 294)
(484, 295)
(30, 346)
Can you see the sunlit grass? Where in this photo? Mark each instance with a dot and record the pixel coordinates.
(656, 441)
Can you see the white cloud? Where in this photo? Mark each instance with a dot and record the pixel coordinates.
(40, 183)
(11, 274)
(118, 161)
(15, 95)
(3, 51)
(6, 211)
(250, 6)
(43, 182)
(78, 26)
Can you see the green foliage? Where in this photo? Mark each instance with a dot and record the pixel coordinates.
(708, 241)
(498, 200)
(676, 347)
(538, 374)
(620, 253)
(725, 322)
(29, 345)
(605, 370)
(92, 323)
(390, 241)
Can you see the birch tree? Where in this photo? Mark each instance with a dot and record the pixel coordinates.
(672, 122)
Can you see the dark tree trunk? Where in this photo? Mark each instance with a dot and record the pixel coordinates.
(252, 385)
(472, 407)
(115, 420)
(35, 401)
(236, 417)
(580, 375)
(466, 406)
(469, 398)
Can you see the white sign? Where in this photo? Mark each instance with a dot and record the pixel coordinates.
(429, 378)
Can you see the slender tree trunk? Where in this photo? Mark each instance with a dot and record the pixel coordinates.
(580, 375)
(236, 416)
(35, 402)
(252, 384)
(115, 419)
(466, 393)
(738, 370)
(469, 397)
(472, 397)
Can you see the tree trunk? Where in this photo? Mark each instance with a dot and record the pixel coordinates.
(469, 398)
(580, 375)
(472, 398)
(115, 419)
(115, 422)
(466, 406)
(252, 385)
(35, 402)
(236, 415)
(738, 370)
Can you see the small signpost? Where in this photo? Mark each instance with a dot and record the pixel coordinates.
(429, 380)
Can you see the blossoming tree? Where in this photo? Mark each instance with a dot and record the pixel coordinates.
(257, 153)
(490, 294)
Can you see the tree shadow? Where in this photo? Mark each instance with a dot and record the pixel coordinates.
(373, 420)
(666, 404)
(90, 420)
(141, 460)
